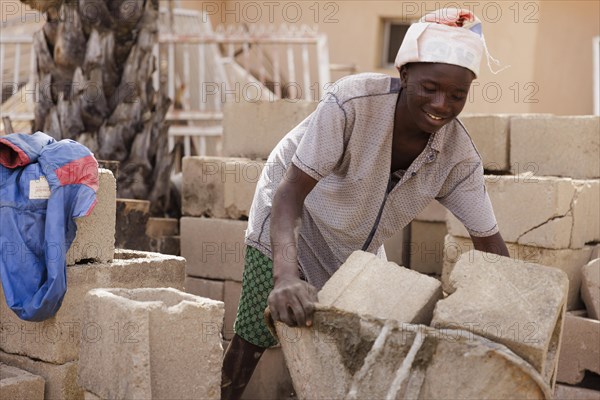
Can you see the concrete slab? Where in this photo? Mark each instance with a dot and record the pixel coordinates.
(61, 379)
(590, 288)
(574, 151)
(569, 261)
(559, 216)
(219, 187)
(168, 345)
(18, 384)
(204, 287)
(253, 129)
(367, 285)
(518, 304)
(491, 135)
(214, 248)
(95, 238)
(426, 247)
(357, 357)
(580, 349)
(57, 339)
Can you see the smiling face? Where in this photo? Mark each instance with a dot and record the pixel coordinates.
(435, 93)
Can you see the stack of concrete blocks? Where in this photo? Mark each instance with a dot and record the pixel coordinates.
(168, 345)
(217, 193)
(543, 180)
(50, 348)
(17, 384)
(365, 341)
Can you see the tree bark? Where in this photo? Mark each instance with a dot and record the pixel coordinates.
(94, 71)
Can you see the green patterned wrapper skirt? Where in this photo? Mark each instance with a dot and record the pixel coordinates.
(257, 283)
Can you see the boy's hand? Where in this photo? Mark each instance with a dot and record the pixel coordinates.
(292, 301)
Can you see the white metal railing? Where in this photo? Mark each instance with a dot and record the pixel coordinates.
(199, 69)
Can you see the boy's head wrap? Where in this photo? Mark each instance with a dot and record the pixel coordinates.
(450, 36)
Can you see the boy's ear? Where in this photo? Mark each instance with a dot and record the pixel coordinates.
(403, 75)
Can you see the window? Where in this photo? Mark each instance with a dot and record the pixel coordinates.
(393, 34)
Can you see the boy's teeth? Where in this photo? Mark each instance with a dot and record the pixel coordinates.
(433, 116)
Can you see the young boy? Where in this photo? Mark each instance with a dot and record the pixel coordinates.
(374, 154)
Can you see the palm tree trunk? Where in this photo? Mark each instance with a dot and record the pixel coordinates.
(94, 70)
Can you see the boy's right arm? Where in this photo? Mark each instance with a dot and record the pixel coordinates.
(291, 300)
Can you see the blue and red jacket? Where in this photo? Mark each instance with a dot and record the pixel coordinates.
(37, 224)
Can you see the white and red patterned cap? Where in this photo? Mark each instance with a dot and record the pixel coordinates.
(448, 35)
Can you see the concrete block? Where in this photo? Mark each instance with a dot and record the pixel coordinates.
(57, 339)
(367, 285)
(253, 129)
(580, 349)
(204, 287)
(434, 212)
(347, 356)
(590, 288)
(239, 189)
(426, 248)
(574, 150)
(232, 293)
(132, 218)
(518, 304)
(95, 238)
(166, 245)
(219, 187)
(555, 213)
(564, 392)
(491, 135)
(396, 247)
(169, 345)
(159, 227)
(570, 261)
(17, 384)
(60, 379)
(214, 248)
(271, 379)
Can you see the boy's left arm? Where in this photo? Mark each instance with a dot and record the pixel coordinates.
(491, 244)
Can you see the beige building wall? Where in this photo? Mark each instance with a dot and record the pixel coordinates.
(546, 43)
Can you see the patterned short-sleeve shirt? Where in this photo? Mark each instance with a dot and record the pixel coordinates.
(346, 145)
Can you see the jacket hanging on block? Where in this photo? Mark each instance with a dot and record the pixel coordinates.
(44, 185)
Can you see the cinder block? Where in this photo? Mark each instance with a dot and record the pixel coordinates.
(396, 247)
(271, 379)
(491, 136)
(253, 129)
(580, 349)
(239, 188)
(555, 213)
(426, 247)
(169, 345)
(214, 248)
(219, 187)
(570, 261)
(61, 379)
(521, 305)
(159, 227)
(132, 218)
(233, 291)
(365, 284)
(95, 238)
(434, 212)
(204, 287)
(590, 288)
(564, 392)
(17, 384)
(57, 339)
(347, 356)
(574, 149)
